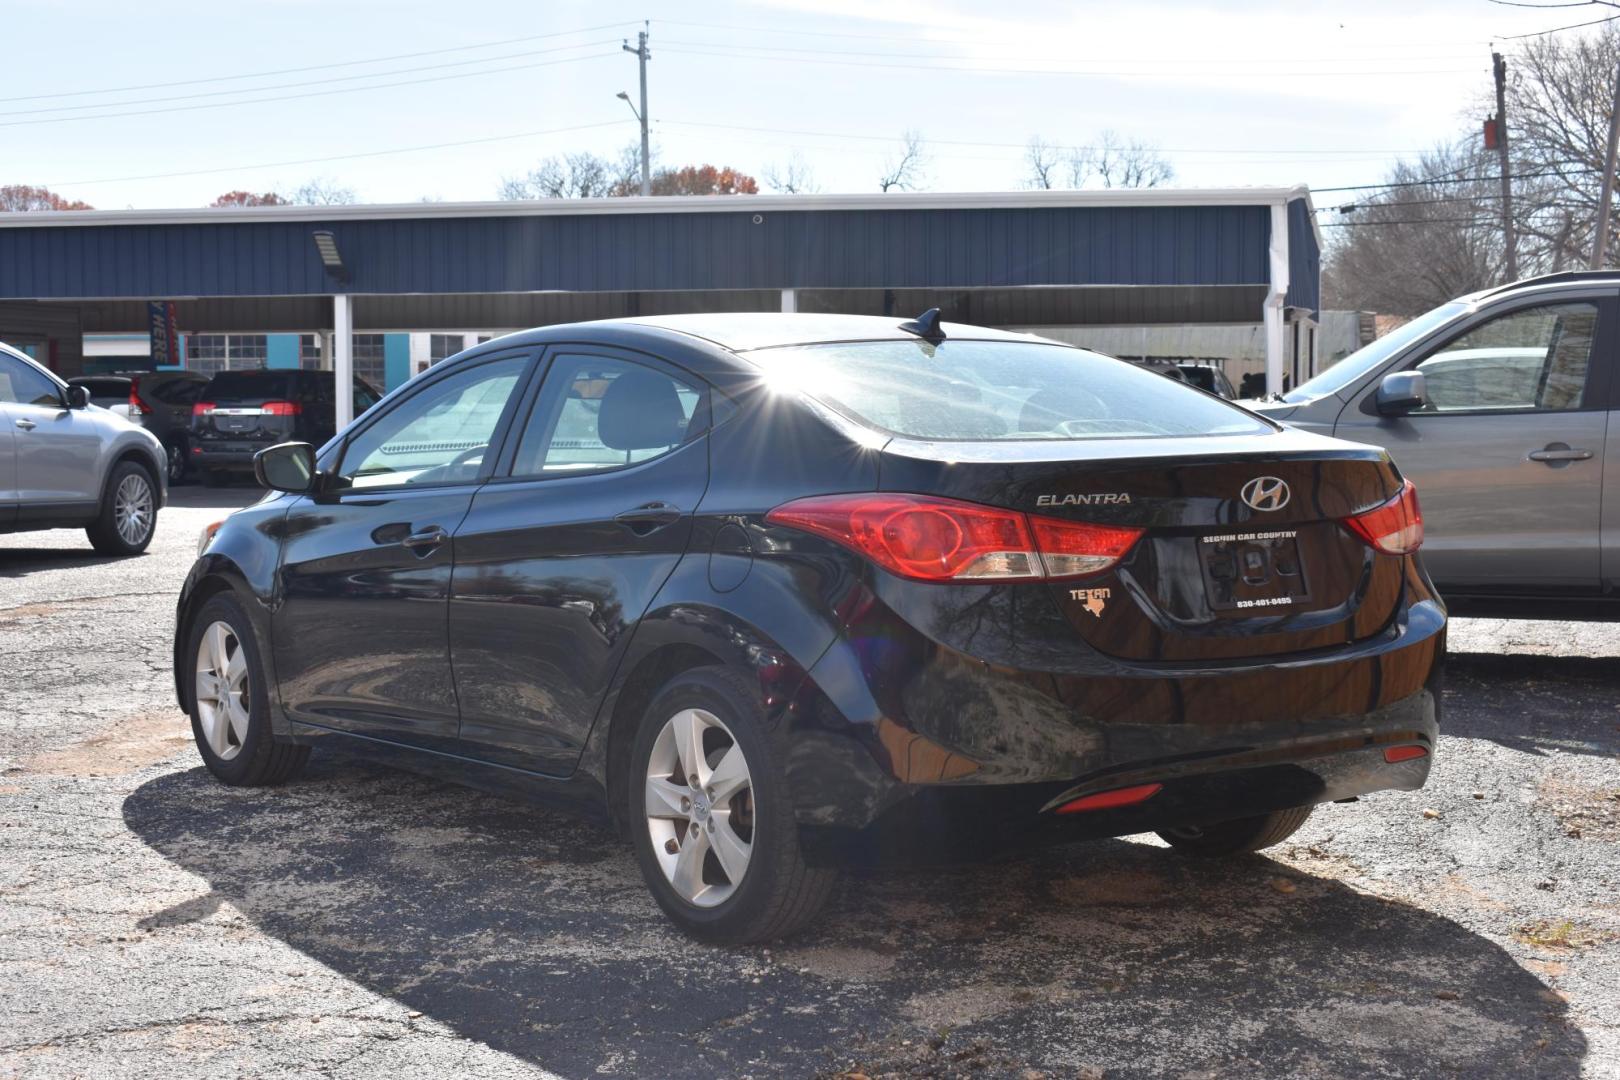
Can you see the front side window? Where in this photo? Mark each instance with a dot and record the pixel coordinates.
(437, 436)
(1532, 359)
(22, 385)
(599, 413)
(977, 390)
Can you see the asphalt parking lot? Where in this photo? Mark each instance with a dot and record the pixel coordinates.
(364, 922)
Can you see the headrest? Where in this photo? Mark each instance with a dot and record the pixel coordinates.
(640, 410)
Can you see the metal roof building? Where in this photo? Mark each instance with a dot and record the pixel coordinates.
(1148, 256)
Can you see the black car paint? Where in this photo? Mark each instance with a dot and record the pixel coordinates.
(901, 700)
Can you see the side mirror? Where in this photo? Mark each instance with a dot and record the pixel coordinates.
(1401, 392)
(78, 396)
(288, 466)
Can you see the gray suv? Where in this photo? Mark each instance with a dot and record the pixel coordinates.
(65, 463)
(1498, 405)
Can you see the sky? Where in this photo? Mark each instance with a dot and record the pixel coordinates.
(168, 103)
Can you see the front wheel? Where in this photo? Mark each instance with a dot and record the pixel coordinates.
(128, 515)
(1236, 837)
(713, 825)
(230, 703)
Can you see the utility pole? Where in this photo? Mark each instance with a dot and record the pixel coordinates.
(646, 146)
(1510, 243)
(1601, 240)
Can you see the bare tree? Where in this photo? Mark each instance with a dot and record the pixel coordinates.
(323, 191)
(27, 197)
(1433, 236)
(792, 178)
(1115, 162)
(906, 171)
(1043, 160)
(580, 175)
(1559, 96)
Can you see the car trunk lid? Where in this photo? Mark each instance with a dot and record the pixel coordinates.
(1243, 551)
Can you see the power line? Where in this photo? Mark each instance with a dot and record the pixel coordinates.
(1409, 221)
(1007, 145)
(1100, 73)
(308, 94)
(1453, 180)
(313, 82)
(1556, 29)
(340, 157)
(317, 67)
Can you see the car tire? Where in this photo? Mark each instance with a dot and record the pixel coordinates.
(680, 850)
(229, 701)
(128, 515)
(1239, 836)
(178, 461)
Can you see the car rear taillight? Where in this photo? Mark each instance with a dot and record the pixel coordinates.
(135, 403)
(202, 408)
(280, 408)
(1396, 527)
(932, 539)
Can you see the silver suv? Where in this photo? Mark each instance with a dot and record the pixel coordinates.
(1498, 405)
(65, 463)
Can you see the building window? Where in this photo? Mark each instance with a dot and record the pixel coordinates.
(368, 359)
(309, 352)
(444, 346)
(209, 353)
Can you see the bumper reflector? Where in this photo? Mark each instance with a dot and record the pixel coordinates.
(1108, 800)
(1404, 753)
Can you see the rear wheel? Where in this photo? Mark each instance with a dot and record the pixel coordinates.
(175, 451)
(1237, 837)
(128, 515)
(230, 704)
(713, 825)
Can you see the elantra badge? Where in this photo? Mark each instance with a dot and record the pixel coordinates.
(1266, 493)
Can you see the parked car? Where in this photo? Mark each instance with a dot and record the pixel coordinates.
(1501, 406)
(1208, 378)
(241, 412)
(66, 464)
(765, 589)
(160, 401)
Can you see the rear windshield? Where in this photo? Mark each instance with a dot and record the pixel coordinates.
(999, 390)
(249, 384)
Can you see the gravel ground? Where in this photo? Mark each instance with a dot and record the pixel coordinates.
(363, 922)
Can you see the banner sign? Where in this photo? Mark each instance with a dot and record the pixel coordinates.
(165, 335)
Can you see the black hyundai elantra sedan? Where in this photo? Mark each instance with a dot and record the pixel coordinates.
(769, 590)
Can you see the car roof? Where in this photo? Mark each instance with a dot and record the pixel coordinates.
(748, 330)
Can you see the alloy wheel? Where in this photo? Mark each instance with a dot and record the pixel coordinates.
(132, 508)
(222, 690)
(700, 807)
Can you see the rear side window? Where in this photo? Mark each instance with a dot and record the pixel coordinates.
(101, 389)
(976, 390)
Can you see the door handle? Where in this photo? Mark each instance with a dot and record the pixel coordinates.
(27, 425)
(426, 541)
(649, 518)
(1556, 453)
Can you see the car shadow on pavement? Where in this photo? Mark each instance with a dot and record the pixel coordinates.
(1534, 704)
(529, 930)
(20, 561)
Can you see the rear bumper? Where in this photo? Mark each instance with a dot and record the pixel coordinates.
(233, 456)
(892, 725)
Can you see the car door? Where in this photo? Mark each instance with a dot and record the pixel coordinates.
(56, 449)
(1507, 453)
(8, 461)
(562, 552)
(359, 631)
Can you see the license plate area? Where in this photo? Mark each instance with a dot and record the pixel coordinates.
(1253, 571)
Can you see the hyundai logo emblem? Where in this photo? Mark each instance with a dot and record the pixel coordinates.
(1266, 493)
